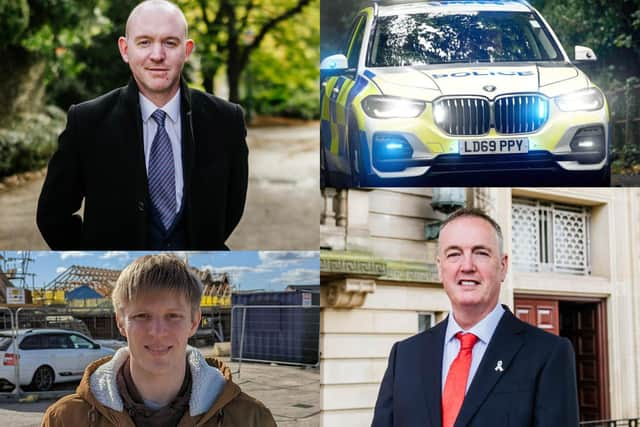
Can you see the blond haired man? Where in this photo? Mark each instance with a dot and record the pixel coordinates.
(157, 380)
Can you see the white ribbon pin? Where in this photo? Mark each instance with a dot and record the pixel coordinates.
(499, 366)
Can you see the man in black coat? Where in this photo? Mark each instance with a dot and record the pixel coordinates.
(158, 165)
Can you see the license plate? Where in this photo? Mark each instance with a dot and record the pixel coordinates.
(494, 146)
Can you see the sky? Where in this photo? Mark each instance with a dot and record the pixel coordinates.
(248, 270)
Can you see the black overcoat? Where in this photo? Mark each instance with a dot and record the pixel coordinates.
(100, 161)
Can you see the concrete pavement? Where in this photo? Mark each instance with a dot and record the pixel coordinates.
(291, 393)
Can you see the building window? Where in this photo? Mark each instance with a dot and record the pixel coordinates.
(550, 237)
(426, 321)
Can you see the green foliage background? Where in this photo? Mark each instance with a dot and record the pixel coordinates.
(78, 39)
(35, 41)
(61, 52)
(285, 81)
(282, 72)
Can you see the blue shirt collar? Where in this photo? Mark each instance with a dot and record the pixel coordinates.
(483, 329)
(172, 108)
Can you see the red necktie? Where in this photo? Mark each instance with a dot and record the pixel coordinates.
(456, 384)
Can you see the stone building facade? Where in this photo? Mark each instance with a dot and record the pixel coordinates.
(574, 270)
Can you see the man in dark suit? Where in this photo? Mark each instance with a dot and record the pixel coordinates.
(481, 367)
(157, 165)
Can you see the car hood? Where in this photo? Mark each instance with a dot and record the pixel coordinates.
(489, 81)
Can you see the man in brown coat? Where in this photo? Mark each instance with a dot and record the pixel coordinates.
(157, 380)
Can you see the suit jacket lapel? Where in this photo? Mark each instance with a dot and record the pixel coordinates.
(132, 139)
(188, 139)
(504, 345)
(130, 159)
(432, 351)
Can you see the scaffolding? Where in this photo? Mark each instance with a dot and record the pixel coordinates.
(4, 284)
(101, 280)
(216, 292)
(14, 272)
(217, 289)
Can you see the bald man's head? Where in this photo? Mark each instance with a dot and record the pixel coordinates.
(138, 13)
(156, 48)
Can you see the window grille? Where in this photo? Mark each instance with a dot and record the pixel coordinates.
(550, 237)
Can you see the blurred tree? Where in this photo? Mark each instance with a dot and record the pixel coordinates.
(99, 67)
(230, 30)
(292, 81)
(284, 71)
(610, 27)
(34, 34)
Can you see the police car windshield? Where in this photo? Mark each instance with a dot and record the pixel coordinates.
(481, 36)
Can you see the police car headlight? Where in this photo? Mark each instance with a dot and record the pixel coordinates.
(439, 113)
(584, 100)
(386, 107)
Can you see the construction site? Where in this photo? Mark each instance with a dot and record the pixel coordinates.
(79, 299)
(280, 326)
(243, 329)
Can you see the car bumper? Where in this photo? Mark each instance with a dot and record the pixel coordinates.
(454, 163)
(552, 148)
(6, 385)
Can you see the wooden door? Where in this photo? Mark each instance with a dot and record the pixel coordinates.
(584, 324)
(581, 323)
(542, 313)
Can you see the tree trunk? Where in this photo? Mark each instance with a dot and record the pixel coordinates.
(233, 77)
(22, 85)
(208, 80)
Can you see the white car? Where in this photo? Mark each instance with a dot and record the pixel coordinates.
(46, 357)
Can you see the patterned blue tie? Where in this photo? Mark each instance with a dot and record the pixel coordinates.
(162, 183)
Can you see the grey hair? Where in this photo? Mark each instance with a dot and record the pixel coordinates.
(475, 213)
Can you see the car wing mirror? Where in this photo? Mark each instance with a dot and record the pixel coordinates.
(333, 65)
(583, 53)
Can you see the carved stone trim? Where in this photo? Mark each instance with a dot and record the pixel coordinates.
(411, 272)
(354, 264)
(328, 214)
(349, 292)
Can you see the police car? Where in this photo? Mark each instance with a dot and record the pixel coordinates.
(460, 93)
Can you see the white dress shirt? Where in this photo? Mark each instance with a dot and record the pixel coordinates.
(483, 330)
(173, 126)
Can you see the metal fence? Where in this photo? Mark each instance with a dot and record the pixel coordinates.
(8, 316)
(31, 318)
(284, 334)
(101, 323)
(625, 116)
(96, 323)
(626, 422)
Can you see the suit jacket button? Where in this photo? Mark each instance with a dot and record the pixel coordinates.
(141, 206)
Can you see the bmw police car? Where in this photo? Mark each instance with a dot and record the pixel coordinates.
(449, 92)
